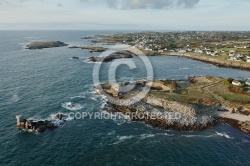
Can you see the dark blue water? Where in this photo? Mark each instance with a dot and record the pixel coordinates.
(37, 83)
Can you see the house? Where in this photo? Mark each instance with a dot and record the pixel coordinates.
(215, 54)
(233, 59)
(248, 59)
(160, 51)
(231, 53)
(236, 83)
(198, 51)
(182, 51)
(248, 82)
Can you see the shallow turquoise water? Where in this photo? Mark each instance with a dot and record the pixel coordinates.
(36, 84)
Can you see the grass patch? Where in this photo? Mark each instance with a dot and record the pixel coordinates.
(236, 97)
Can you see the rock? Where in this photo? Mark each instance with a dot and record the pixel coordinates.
(41, 128)
(50, 125)
(27, 125)
(19, 120)
(91, 48)
(59, 116)
(41, 45)
(113, 56)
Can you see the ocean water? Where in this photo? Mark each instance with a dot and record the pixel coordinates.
(39, 83)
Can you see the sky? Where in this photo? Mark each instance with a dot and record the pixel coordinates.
(232, 15)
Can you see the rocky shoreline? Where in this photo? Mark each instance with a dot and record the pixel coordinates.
(168, 115)
(41, 45)
(225, 63)
(90, 48)
(116, 55)
(164, 113)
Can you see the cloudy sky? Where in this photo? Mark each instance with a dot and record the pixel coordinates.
(125, 14)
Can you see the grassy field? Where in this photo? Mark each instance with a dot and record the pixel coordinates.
(205, 92)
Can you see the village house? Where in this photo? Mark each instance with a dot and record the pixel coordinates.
(182, 51)
(231, 53)
(248, 59)
(160, 51)
(236, 83)
(198, 51)
(248, 82)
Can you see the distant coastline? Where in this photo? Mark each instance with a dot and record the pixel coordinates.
(220, 63)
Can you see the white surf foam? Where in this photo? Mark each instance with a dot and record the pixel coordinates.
(76, 107)
(75, 97)
(144, 136)
(123, 139)
(225, 135)
(94, 98)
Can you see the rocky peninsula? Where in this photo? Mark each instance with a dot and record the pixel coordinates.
(116, 55)
(90, 48)
(184, 105)
(41, 45)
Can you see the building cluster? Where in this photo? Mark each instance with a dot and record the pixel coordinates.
(234, 45)
(238, 83)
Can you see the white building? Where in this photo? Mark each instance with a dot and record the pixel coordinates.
(248, 82)
(236, 83)
(248, 59)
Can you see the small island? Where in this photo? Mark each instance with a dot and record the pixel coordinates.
(41, 45)
(39, 126)
(116, 55)
(199, 102)
(90, 48)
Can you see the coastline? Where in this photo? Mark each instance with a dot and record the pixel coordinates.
(196, 113)
(225, 63)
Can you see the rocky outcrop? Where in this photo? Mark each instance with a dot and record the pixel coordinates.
(170, 105)
(173, 106)
(91, 48)
(175, 116)
(74, 57)
(113, 56)
(37, 126)
(41, 45)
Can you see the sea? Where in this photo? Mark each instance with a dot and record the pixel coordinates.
(37, 84)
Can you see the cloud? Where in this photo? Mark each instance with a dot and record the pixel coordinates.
(149, 4)
(158, 4)
(112, 3)
(59, 5)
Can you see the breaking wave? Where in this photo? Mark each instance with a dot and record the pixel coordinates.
(72, 106)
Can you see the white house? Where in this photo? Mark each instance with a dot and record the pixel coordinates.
(248, 59)
(248, 82)
(182, 51)
(231, 53)
(236, 83)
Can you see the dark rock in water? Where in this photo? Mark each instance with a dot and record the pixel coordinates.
(74, 57)
(50, 125)
(59, 116)
(88, 37)
(91, 48)
(113, 56)
(39, 126)
(41, 45)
